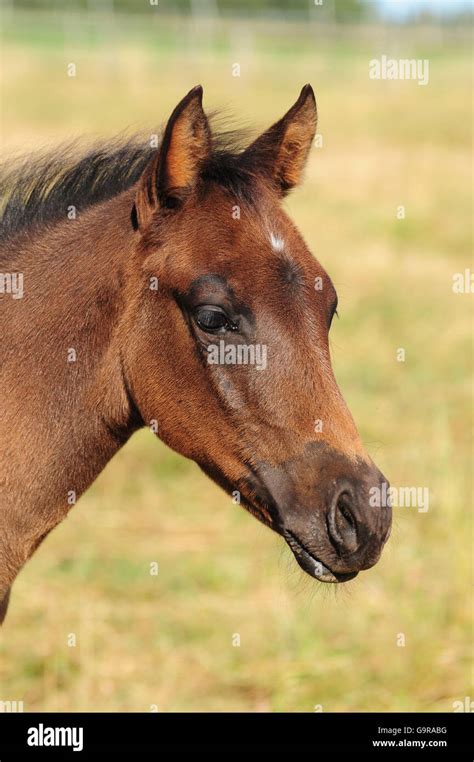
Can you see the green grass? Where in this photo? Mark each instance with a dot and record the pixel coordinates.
(166, 640)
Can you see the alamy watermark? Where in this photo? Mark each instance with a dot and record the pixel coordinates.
(42, 735)
(11, 706)
(237, 354)
(400, 68)
(400, 497)
(11, 283)
(463, 283)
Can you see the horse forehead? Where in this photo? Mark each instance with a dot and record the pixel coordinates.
(262, 220)
(258, 241)
(272, 238)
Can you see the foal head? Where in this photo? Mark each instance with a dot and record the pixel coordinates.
(228, 348)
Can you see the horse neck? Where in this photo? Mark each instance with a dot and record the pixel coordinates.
(65, 371)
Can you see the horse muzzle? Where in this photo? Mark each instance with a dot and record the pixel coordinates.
(330, 510)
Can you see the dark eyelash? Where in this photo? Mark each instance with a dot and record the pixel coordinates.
(333, 312)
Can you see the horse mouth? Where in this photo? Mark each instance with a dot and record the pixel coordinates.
(312, 565)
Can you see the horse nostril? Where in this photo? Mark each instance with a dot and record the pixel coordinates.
(342, 524)
(343, 513)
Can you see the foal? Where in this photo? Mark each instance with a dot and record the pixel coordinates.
(152, 279)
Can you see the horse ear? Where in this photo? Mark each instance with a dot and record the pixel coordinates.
(174, 169)
(281, 152)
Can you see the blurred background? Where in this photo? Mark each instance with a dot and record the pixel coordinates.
(89, 627)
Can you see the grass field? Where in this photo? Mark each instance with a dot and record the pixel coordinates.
(165, 641)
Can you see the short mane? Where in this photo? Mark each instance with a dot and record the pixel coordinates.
(38, 190)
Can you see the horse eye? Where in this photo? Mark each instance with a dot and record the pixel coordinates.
(211, 319)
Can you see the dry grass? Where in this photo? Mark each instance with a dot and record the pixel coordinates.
(166, 640)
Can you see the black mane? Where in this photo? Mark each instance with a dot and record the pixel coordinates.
(36, 190)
